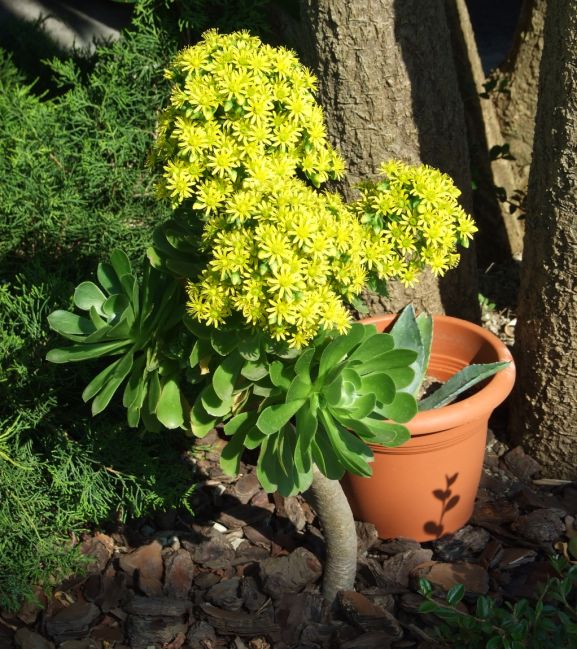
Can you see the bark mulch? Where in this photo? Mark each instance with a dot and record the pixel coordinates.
(245, 571)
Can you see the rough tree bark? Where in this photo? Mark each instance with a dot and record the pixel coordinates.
(500, 235)
(517, 103)
(544, 408)
(378, 64)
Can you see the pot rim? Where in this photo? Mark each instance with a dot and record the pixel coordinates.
(485, 400)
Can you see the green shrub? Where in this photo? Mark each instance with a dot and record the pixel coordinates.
(73, 167)
(550, 620)
(75, 184)
(50, 490)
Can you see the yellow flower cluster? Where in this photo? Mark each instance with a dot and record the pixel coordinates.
(282, 255)
(240, 139)
(240, 111)
(414, 214)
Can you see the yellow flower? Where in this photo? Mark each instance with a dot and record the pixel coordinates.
(302, 229)
(242, 206)
(224, 160)
(210, 195)
(287, 279)
(280, 312)
(179, 181)
(233, 83)
(466, 228)
(298, 106)
(274, 246)
(201, 96)
(286, 134)
(409, 275)
(191, 59)
(259, 133)
(334, 316)
(283, 62)
(258, 108)
(191, 138)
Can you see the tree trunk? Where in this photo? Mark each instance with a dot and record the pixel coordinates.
(544, 410)
(516, 104)
(333, 509)
(378, 64)
(500, 234)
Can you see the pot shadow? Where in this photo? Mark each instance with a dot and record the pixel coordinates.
(448, 500)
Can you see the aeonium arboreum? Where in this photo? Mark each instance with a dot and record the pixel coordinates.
(321, 406)
(242, 322)
(138, 324)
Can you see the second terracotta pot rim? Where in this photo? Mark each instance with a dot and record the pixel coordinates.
(480, 404)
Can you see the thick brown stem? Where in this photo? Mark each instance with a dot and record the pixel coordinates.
(333, 509)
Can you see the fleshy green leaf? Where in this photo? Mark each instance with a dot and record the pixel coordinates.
(129, 284)
(120, 372)
(96, 318)
(300, 388)
(84, 352)
(231, 454)
(281, 375)
(353, 453)
(333, 392)
(249, 347)
(379, 384)
(153, 392)
(240, 423)
(288, 484)
(120, 263)
(274, 417)
(389, 360)
(267, 468)
(303, 365)
(254, 370)
(198, 329)
(458, 383)
(350, 376)
(169, 409)
(379, 432)
(373, 346)
(306, 426)
(411, 332)
(362, 406)
(200, 354)
(337, 350)
(87, 295)
(402, 409)
(114, 305)
(223, 341)
(149, 419)
(100, 380)
(201, 422)
(132, 416)
(324, 456)
(66, 323)
(213, 404)
(403, 377)
(226, 374)
(108, 279)
(254, 438)
(135, 389)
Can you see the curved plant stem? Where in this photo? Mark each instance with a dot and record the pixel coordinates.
(333, 509)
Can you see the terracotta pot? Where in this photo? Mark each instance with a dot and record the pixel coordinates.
(427, 487)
